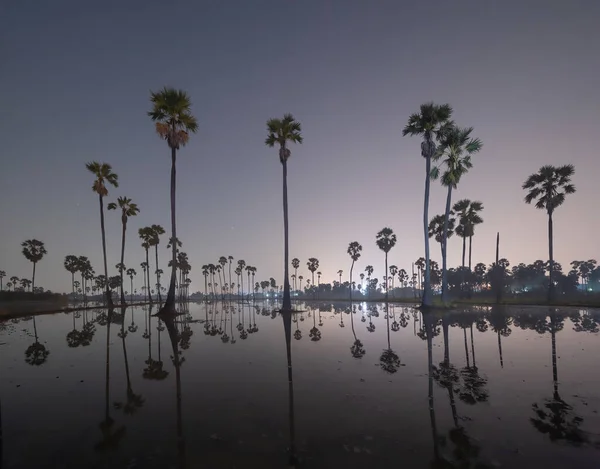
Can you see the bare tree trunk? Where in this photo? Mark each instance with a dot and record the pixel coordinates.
(551, 257)
(445, 246)
(108, 295)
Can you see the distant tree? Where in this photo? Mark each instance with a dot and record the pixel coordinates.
(386, 240)
(72, 266)
(146, 234)
(131, 273)
(157, 232)
(34, 251)
(280, 132)
(549, 187)
(171, 111)
(313, 265)
(295, 266)
(128, 209)
(103, 175)
(354, 249)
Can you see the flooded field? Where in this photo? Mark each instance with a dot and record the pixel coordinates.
(513, 387)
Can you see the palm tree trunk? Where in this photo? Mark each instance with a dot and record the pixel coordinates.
(470, 246)
(551, 257)
(351, 267)
(445, 245)
(148, 289)
(124, 223)
(131, 293)
(169, 306)
(157, 274)
(230, 289)
(73, 282)
(108, 295)
(33, 279)
(462, 275)
(427, 295)
(287, 301)
(287, 325)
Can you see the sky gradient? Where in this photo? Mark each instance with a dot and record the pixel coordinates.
(76, 79)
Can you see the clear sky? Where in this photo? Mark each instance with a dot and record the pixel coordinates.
(75, 80)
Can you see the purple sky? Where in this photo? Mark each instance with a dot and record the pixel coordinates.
(76, 78)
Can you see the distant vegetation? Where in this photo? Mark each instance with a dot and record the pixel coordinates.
(448, 150)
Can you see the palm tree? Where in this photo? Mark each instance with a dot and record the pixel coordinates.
(295, 265)
(313, 265)
(300, 277)
(241, 266)
(157, 230)
(223, 262)
(386, 240)
(174, 122)
(282, 131)
(456, 149)
(340, 273)
(128, 209)
(393, 272)
(103, 174)
(84, 266)
(354, 249)
(469, 218)
(2, 275)
(144, 266)
(72, 265)
(146, 234)
(548, 187)
(430, 123)
(33, 250)
(369, 270)
(131, 273)
(230, 259)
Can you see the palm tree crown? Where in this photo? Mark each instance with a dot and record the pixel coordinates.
(549, 186)
(456, 148)
(386, 240)
(171, 110)
(128, 208)
(280, 131)
(354, 249)
(429, 122)
(103, 173)
(33, 250)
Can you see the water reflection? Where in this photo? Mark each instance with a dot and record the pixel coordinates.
(336, 410)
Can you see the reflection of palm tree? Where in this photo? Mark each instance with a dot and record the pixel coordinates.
(178, 360)
(134, 401)
(357, 350)
(315, 333)
(36, 354)
(287, 327)
(500, 322)
(554, 417)
(111, 436)
(389, 360)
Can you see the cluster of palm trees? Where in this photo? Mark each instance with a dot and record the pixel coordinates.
(225, 287)
(33, 250)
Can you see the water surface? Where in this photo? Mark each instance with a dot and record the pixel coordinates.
(480, 387)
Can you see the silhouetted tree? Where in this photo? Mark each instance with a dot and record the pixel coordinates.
(103, 175)
(280, 132)
(34, 251)
(128, 209)
(548, 187)
(430, 123)
(171, 111)
(456, 149)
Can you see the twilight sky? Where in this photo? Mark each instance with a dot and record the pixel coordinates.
(76, 78)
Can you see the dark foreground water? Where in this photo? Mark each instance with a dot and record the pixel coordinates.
(480, 388)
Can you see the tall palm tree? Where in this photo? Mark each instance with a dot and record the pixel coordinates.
(386, 240)
(72, 265)
(430, 123)
(131, 273)
(146, 234)
(241, 266)
(280, 132)
(548, 187)
(456, 149)
(171, 111)
(340, 273)
(157, 231)
(144, 266)
(354, 249)
(33, 250)
(467, 212)
(128, 209)
(84, 266)
(295, 265)
(393, 272)
(369, 270)
(103, 175)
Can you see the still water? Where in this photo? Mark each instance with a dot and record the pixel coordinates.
(481, 387)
